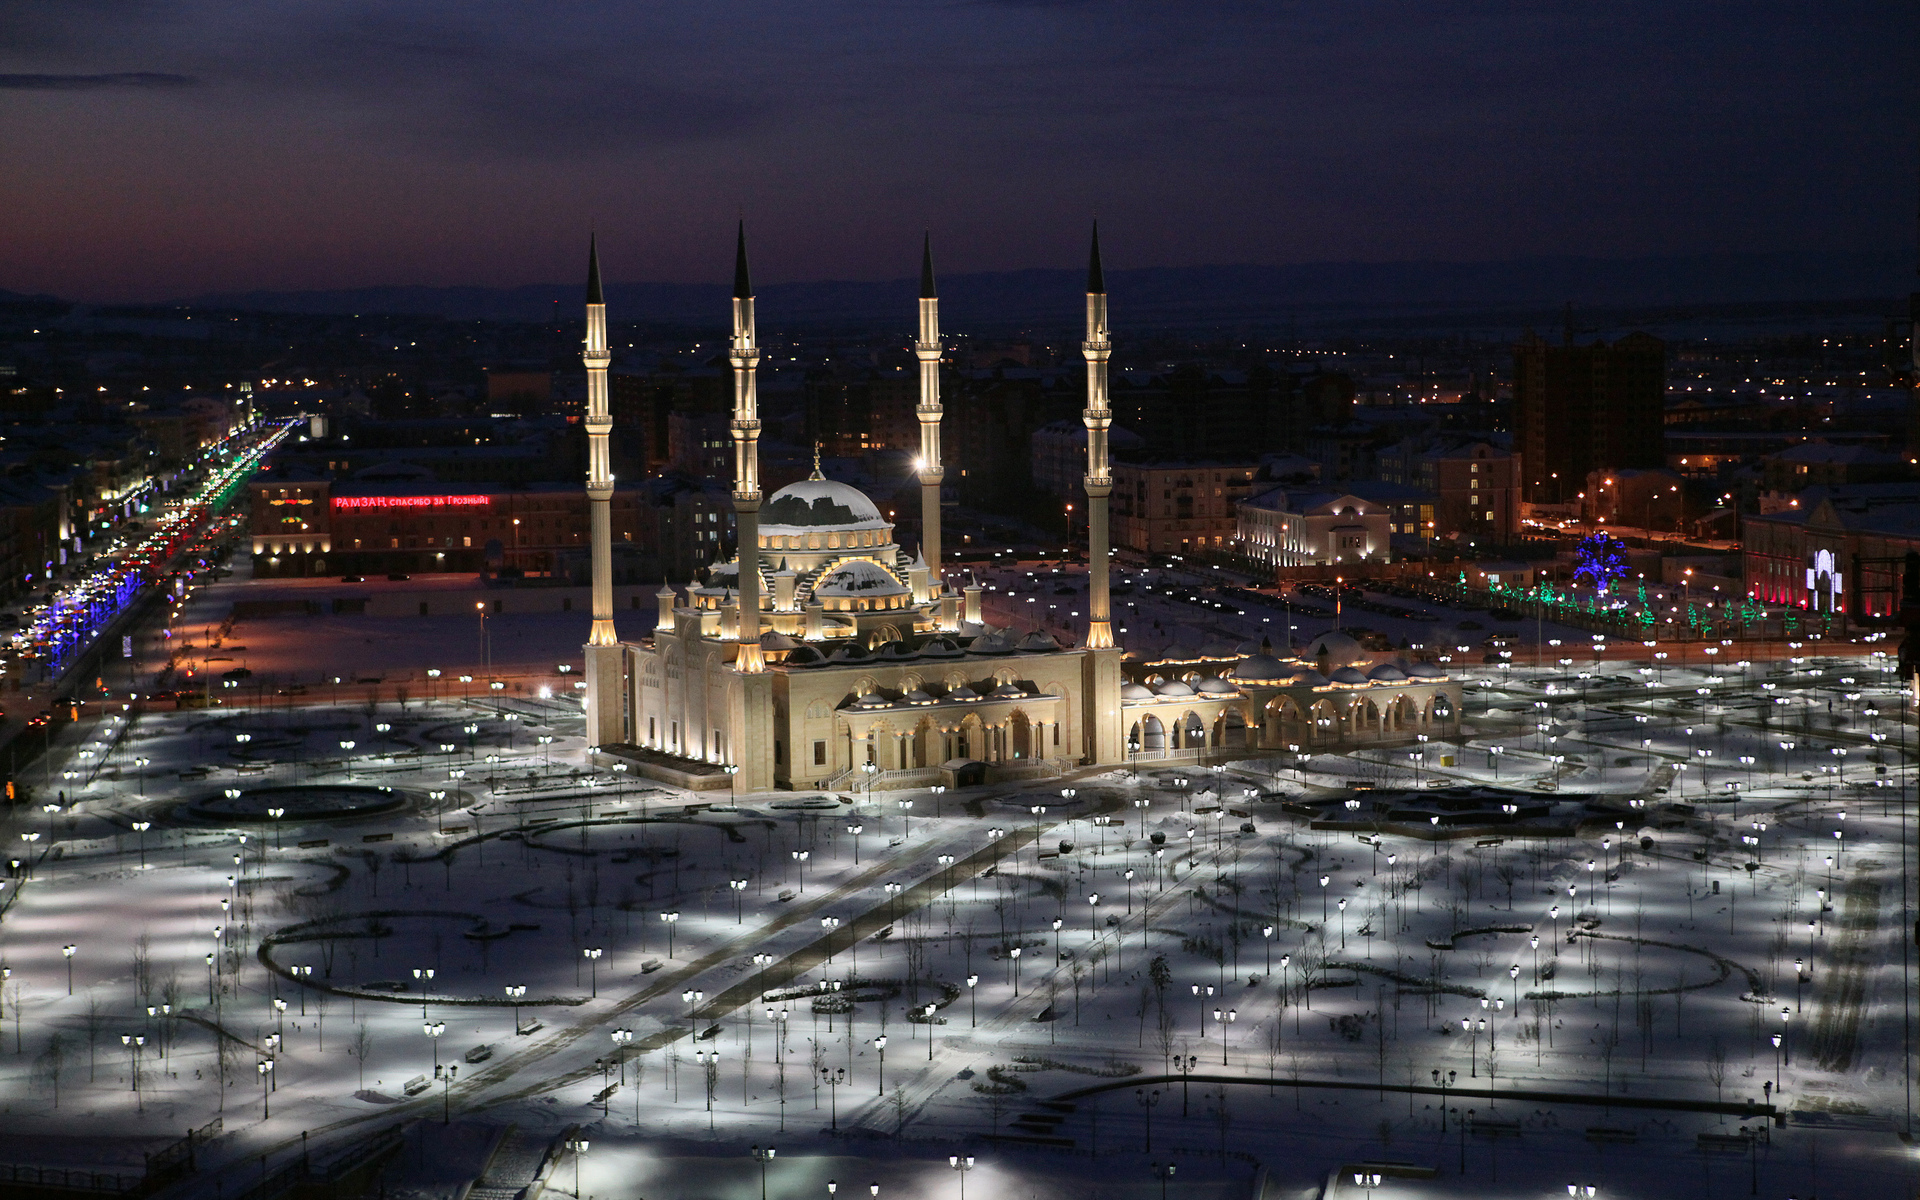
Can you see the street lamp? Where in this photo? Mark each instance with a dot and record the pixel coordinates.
(958, 1163)
(671, 919)
(592, 955)
(433, 1030)
(514, 993)
(880, 1044)
(68, 952)
(763, 1157)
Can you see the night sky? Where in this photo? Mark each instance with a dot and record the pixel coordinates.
(162, 148)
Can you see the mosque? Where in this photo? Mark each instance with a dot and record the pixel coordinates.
(828, 656)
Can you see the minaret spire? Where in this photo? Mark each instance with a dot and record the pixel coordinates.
(745, 355)
(605, 719)
(927, 349)
(1098, 418)
(742, 279)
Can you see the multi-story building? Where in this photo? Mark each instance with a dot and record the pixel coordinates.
(1291, 527)
(1579, 409)
(1840, 550)
(1474, 488)
(1060, 455)
(1178, 507)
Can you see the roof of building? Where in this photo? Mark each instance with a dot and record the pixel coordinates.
(857, 577)
(820, 504)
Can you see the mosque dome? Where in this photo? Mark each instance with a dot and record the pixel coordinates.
(1260, 666)
(1135, 691)
(1173, 687)
(1350, 677)
(857, 578)
(1339, 649)
(820, 504)
(1425, 670)
(1387, 673)
(1213, 685)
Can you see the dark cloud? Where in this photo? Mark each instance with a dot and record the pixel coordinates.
(88, 83)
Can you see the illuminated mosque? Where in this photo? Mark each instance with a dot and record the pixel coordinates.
(827, 655)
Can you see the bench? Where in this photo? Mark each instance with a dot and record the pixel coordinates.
(416, 1085)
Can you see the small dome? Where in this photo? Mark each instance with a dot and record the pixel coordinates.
(858, 577)
(849, 652)
(1425, 670)
(1339, 649)
(939, 648)
(873, 700)
(1218, 648)
(1260, 666)
(963, 692)
(1213, 685)
(1134, 691)
(1038, 640)
(805, 656)
(1387, 673)
(773, 639)
(1173, 687)
(1008, 691)
(1309, 678)
(916, 696)
(1350, 676)
(895, 652)
(999, 641)
(819, 504)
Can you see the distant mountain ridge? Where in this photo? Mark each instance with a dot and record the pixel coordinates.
(1234, 294)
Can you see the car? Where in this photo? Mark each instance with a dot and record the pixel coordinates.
(237, 673)
(353, 579)
(396, 576)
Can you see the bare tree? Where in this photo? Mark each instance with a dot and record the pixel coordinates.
(360, 1047)
(50, 1063)
(1717, 1069)
(1507, 875)
(143, 967)
(899, 1102)
(94, 1022)
(1144, 1005)
(1163, 1036)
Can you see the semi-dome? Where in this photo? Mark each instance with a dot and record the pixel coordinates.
(1260, 666)
(820, 504)
(857, 578)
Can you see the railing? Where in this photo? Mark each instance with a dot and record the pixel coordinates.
(71, 1180)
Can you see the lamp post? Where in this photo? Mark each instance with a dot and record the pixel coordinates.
(514, 992)
(68, 952)
(141, 827)
(1165, 1172)
(957, 1163)
(425, 976)
(433, 1030)
(856, 830)
(1147, 1100)
(592, 955)
(763, 1157)
(833, 1077)
(265, 1068)
(579, 1148)
(1014, 954)
(1445, 1081)
(670, 919)
(446, 1094)
(973, 1001)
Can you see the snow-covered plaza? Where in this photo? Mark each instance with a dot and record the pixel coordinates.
(1641, 927)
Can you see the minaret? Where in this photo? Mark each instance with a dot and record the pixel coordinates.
(605, 720)
(927, 349)
(1098, 417)
(746, 461)
(1101, 664)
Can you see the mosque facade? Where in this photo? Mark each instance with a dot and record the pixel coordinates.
(828, 656)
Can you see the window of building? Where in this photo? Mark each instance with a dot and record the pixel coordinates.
(819, 754)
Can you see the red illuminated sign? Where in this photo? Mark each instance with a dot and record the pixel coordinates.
(411, 501)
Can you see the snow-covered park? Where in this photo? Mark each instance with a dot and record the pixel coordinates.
(1644, 928)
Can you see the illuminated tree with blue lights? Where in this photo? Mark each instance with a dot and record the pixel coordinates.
(1602, 558)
